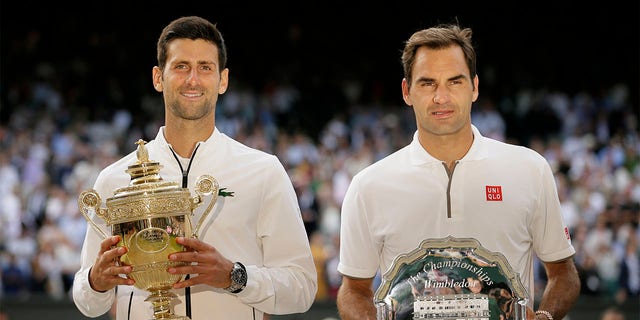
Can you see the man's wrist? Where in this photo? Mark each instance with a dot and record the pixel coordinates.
(91, 283)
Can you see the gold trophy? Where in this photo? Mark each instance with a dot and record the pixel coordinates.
(149, 214)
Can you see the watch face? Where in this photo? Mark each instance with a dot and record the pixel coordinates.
(238, 278)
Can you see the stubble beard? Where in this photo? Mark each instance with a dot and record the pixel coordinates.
(191, 111)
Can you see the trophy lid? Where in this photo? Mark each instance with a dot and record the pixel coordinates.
(147, 196)
(145, 176)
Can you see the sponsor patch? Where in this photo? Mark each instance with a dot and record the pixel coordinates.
(493, 193)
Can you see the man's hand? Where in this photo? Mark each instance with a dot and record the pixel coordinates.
(105, 273)
(205, 264)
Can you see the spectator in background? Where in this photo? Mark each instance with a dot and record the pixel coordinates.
(15, 279)
(612, 313)
(629, 273)
(488, 120)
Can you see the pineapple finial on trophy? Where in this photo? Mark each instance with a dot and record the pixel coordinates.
(141, 152)
(144, 170)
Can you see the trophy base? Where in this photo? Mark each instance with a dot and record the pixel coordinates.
(161, 301)
(173, 317)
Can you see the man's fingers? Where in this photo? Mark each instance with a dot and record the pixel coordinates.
(108, 243)
(106, 274)
(193, 243)
(112, 278)
(187, 256)
(118, 270)
(193, 280)
(112, 254)
(188, 269)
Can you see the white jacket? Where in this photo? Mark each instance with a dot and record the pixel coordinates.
(260, 226)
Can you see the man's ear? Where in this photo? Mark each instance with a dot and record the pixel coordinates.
(476, 89)
(405, 92)
(224, 81)
(156, 78)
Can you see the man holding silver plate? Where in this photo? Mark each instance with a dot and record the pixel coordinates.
(454, 220)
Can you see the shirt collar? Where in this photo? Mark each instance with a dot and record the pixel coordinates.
(420, 156)
(211, 140)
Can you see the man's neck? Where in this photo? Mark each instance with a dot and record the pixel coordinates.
(447, 149)
(184, 139)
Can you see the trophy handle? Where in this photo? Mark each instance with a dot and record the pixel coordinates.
(205, 185)
(90, 199)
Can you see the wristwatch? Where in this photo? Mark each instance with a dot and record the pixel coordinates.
(238, 278)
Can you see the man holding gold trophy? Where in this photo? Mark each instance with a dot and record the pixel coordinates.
(454, 220)
(248, 255)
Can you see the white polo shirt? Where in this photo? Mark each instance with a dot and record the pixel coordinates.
(502, 195)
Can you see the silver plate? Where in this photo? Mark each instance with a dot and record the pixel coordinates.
(451, 279)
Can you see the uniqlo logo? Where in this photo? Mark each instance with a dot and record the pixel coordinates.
(566, 233)
(494, 193)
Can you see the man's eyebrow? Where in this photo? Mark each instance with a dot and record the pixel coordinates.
(426, 79)
(458, 77)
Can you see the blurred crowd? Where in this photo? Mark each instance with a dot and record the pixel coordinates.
(51, 149)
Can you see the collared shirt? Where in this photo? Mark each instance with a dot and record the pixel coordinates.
(502, 195)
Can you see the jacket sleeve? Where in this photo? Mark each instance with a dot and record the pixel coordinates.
(91, 303)
(287, 280)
